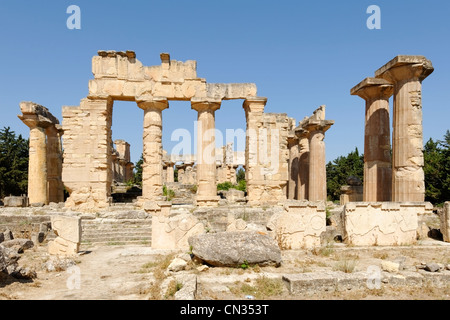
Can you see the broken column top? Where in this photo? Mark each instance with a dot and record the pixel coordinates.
(315, 122)
(34, 112)
(403, 60)
(369, 82)
(111, 53)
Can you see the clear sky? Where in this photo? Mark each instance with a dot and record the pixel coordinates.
(300, 54)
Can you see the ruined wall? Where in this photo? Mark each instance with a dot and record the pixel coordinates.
(87, 154)
(382, 223)
(300, 225)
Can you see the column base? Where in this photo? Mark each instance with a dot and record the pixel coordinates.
(207, 201)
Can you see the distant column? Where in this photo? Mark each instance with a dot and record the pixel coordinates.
(292, 186)
(303, 164)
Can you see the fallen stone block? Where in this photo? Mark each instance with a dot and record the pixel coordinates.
(233, 249)
(16, 202)
(18, 245)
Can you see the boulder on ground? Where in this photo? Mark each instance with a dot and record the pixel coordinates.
(18, 245)
(233, 249)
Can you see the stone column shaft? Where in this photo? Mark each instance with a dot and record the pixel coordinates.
(317, 167)
(206, 151)
(377, 146)
(293, 168)
(407, 74)
(152, 184)
(37, 167)
(170, 173)
(303, 165)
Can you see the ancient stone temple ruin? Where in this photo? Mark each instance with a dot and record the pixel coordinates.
(284, 160)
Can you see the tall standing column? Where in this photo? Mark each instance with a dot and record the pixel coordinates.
(303, 164)
(407, 73)
(377, 137)
(152, 184)
(206, 151)
(37, 166)
(317, 161)
(54, 164)
(254, 112)
(293, 167)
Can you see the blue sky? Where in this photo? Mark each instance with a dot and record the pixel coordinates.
(300, 54)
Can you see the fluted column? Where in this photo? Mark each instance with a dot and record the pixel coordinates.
(303, 164)
(377, 139)
(170, 172)
(206, 151)
(317, 161)
(152, 184)
(37, 166)
(293, 167)
(406, 73)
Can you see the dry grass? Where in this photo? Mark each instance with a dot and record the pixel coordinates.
(172, 288)
(158, 268)
(324, 251)
(381, 255)
(346, 265)
(262, 289)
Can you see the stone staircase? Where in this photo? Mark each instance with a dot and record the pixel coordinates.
(123, 224)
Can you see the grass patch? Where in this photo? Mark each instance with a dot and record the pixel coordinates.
(324, 251)
(173, 288)
(346, 265)
(263, 288)
(381, 255)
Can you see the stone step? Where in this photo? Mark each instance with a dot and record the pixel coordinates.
(117, 243)
(145, 233)
(125, 239)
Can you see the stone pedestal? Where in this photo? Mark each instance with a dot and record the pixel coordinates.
(152, 185)
(406, 73)
(377, 146)
(206, 151)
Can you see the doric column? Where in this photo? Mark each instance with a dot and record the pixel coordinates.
(181, 171)
(303, 164)
(37, 166)
(54, 164)
(152, 185)
(206, 151)
(406, 73)
(293, 166)
(317, 161)
(377, 138)
(170, 172)
(254, 111)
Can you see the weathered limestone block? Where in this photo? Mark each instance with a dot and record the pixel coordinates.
(234, 195)
(351, 194)
(382, 223)
(68, 231)
(171, 232)
(300, 226)
(232, 249)
(445, 222)
(17, 202)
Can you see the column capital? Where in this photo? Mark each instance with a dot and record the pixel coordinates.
(205, 104)
(403, 68)
(318, 125)
(255, 104)
(159, 103)
(301, 133)
(373, 88)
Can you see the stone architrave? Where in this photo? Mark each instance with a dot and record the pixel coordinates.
(377, 146)
(152, 184)
(406, 73)
(68, 231)
(206, 151)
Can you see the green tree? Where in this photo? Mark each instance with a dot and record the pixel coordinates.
(340, 169)
(138, 171)
(240, 175)
(437, 170)
(13, 163)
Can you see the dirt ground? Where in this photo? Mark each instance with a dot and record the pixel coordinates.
(137, 272)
